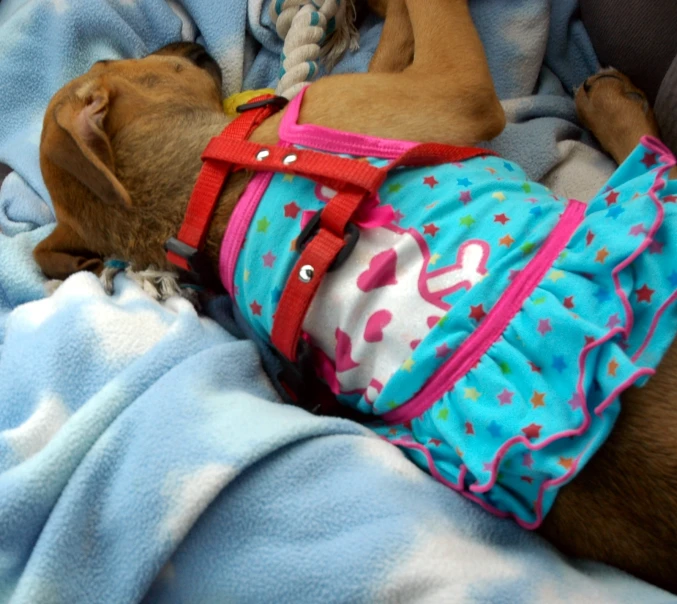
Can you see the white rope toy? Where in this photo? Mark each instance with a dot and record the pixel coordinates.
(311, 30)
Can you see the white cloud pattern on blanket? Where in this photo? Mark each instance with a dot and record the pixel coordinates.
(33, 435)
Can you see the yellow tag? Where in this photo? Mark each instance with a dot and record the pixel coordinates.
(240, 98)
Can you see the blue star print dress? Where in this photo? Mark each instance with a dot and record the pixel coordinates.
(488, 325)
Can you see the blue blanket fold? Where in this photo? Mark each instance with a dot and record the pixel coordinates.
(144, 454)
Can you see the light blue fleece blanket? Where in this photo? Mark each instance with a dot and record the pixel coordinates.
(144, 454)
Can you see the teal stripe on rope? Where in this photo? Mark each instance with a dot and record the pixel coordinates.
(313, 31)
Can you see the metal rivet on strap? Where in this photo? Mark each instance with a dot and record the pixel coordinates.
(289, 159)
(261, 155)
(306, 273)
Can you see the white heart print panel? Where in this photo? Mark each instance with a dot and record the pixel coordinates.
(370, 314)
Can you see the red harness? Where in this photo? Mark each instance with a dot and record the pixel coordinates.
(327, 240)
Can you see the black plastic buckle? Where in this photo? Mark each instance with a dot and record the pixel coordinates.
(278, 101)
(297, 378)
(200, 269)
(183, 250)
(351, 237)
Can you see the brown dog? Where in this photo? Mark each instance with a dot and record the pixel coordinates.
(120, 154)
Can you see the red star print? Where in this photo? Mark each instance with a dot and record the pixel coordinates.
(505, 397)
(611, 198)
(614, 321)
(269, 259)
(431, 181)
(644, 293)
(576, 402)
(435, 441)
(589, 238)
(502, 218)
(477, 312)
(291, 210)
(589, 340)
(469, 428)
(528, 479)
(544, 326)
(535, 368)
(532, 431)
(430, 229)
(407, 425)
(398, 216)
(256, 308)
(569, 302)
(670, 199)
(650, 159)
(465, 197)
(656, 247)
(442, 350)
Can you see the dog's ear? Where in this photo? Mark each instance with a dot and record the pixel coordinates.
(64, 252)
(77, 142)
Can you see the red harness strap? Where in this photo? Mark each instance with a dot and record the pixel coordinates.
(316, 259)
(329, 170)
(190, 240)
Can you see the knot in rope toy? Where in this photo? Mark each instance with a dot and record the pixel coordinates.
(312, 30)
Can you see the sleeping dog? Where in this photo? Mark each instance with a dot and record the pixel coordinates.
(497, 332)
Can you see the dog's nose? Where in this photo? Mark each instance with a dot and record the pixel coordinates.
(196, 54)
(199, 55)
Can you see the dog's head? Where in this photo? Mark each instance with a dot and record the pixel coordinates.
(115, 151)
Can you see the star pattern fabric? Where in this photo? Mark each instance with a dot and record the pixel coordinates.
(525, 389)
(291, 210)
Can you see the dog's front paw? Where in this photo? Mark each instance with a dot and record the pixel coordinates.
(160, 285)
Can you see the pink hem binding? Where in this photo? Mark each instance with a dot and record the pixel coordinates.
(336, 141)
(659, 183)
(238, 224)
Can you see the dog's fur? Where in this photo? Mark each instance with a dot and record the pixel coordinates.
(121, 151)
